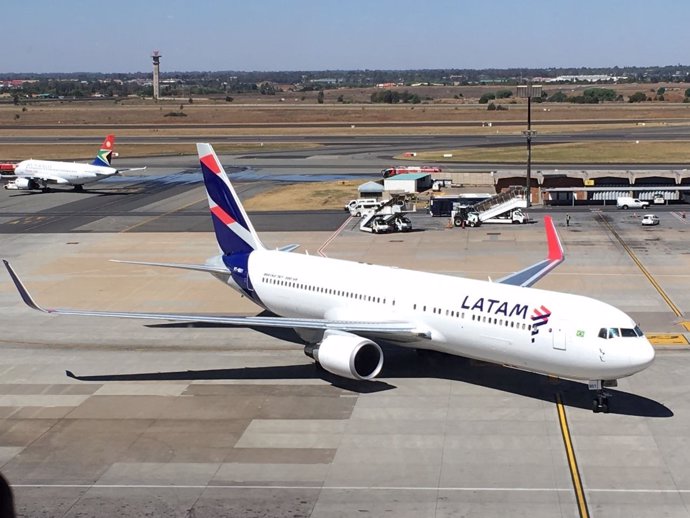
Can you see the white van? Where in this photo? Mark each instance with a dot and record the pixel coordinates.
(628, 202)
(358, 206)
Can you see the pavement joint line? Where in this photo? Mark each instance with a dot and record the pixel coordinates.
(644, 270)
(153, 218)
(572, 461)
(351, 488)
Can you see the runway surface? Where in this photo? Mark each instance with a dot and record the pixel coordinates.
(111, 417)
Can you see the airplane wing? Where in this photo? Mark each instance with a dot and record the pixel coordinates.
(194, 267)
(43, 177)
(382, 327)
(531, 274)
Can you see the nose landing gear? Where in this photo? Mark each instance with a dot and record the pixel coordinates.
(601, 400)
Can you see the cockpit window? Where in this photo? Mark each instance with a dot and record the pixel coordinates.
(625, 332)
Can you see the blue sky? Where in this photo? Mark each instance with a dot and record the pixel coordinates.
(76, 35)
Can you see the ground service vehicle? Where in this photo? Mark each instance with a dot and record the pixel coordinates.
(362, 205)
(392, 171)
(513, 216)
(650, 219)
(628, 202)
(464, 214)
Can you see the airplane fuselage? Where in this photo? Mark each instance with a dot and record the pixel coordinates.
(64, 173)
(542, 331)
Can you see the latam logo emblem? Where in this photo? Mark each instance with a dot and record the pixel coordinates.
(540, 317)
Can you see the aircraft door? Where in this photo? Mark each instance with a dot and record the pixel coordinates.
(560, 333)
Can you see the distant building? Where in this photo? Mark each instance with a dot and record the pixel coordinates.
(586, 78)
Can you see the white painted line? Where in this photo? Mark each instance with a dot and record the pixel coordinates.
(679, 217)
(333, 236)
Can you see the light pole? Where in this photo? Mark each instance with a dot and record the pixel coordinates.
(529, 91)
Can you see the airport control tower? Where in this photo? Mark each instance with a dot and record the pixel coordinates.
(156, 71)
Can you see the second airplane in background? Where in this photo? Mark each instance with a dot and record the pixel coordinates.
(33, 175)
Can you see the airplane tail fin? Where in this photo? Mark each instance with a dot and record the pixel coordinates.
(105, 154)
(234, 232)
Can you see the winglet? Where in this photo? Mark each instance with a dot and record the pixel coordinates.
(22, 290)
(554, 242)
(528, 276)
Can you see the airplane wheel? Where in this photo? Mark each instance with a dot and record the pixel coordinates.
(601, 404)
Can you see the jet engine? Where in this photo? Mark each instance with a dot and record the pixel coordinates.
(347, 355)
(23, 184)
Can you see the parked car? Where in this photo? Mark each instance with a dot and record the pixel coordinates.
(650, 219)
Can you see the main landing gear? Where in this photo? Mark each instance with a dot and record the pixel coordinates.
(601, 400)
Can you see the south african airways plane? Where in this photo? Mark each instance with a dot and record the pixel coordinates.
(343, 309)
(32, 175)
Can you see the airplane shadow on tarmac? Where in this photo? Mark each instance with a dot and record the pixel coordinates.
(408, 363)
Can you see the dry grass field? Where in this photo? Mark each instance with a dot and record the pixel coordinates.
(612, 152)
(306, 196)
(298, 114)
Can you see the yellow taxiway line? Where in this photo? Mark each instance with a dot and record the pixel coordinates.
(572, 461)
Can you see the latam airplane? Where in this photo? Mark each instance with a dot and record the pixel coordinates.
(33, 175)
(344, 309)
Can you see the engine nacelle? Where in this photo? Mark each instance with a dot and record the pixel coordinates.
(23, 184)
(347, 355)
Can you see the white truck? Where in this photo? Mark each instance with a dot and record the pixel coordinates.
(628, 202)
(513, 216)
(361, 205)
(377, 225)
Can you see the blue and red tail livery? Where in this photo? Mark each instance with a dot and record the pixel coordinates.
(105, 154)
(234, 231)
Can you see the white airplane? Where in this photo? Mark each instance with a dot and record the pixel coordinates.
(342, 308)
(33, 175)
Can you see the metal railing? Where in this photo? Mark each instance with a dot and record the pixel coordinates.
(513, 192)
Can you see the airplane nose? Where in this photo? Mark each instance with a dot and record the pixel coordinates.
(642, 355)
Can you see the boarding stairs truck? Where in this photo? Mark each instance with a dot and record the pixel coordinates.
(387, 218)
(506, 207)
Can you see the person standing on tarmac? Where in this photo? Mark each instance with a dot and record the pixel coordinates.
(567, 220)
